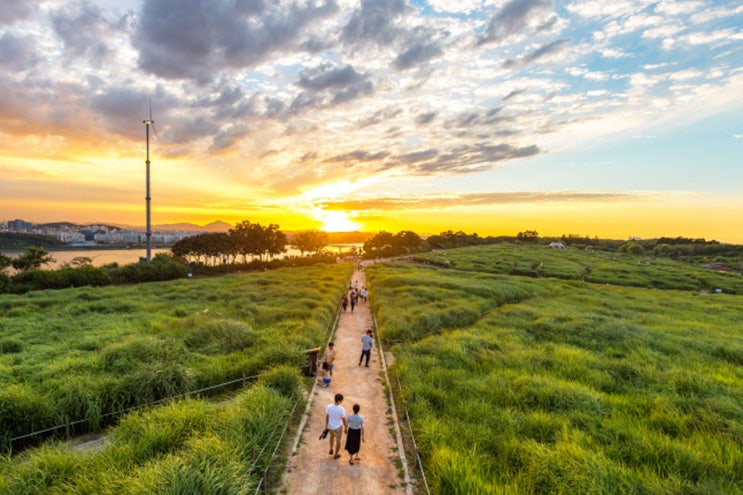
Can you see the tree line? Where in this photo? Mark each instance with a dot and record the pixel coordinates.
(247, 242)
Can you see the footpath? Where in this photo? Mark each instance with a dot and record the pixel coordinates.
(381, 470)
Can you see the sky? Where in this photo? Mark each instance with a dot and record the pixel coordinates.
(610, 119)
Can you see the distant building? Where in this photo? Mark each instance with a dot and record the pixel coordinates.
(20, 226)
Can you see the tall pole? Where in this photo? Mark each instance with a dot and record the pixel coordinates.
(148, 233)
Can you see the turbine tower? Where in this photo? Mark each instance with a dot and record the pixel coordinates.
(148, 234)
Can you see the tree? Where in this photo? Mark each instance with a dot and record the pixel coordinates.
(407, 242)
(528, 236)
(309, 241)
(5, 262)
(255, 240)
(32, 259)
(381, 244)
(632, 248)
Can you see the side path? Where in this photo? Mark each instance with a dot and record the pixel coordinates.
(310, 469)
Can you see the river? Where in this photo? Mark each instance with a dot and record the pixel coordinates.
(102, 257)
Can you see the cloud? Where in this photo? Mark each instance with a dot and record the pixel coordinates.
(358, 156)
(417, 53)
(544, 51)
(197, 39)
(328, 85)
(425, 118)
(15, 10)
(463, 159)
(83, 29)
(451, 200)
(18, 53)
(513, 18)
(373, 22)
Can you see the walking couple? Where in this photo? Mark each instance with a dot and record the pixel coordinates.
(336, 422)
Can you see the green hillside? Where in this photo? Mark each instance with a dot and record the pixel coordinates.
(546, 382)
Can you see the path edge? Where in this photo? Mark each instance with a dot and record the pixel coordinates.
(393, 412)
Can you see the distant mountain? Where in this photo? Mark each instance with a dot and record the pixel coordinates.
(217, 226)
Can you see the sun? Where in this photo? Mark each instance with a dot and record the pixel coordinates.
(337, 221)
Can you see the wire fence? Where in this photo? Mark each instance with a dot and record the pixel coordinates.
(68, 425)
(419, 462)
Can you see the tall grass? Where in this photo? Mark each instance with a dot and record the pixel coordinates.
(81, 354)
(187, 447)
(589, 265)
(567, 387)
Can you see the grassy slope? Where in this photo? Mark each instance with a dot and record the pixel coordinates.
(592, 266)
(535, 385)
(81, 353)
(189, 447)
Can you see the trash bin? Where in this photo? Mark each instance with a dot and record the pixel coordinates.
(311, 367)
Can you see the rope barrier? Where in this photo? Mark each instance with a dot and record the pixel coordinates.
(412, 437)
(278, 443)
(133, 408)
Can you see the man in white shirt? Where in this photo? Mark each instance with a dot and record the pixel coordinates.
(335, 421)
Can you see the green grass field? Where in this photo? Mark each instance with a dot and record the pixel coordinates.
(538, 385)
(186, 447)
(83, 353)
(592, 266)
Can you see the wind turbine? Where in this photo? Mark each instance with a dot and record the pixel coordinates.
(148, 234)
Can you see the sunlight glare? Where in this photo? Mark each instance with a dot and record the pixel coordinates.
(337, 221)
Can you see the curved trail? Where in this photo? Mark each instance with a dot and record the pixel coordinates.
(310, 469)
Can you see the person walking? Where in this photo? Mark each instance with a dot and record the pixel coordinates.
(344, 303)
(335, 421)
(366, 346)
(354, 434)
(329, 358)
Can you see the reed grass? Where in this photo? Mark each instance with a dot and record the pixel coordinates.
(187, 447)
(566, 386)
(81, 354)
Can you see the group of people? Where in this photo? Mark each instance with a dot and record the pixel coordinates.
(354, 295)
(325, 376)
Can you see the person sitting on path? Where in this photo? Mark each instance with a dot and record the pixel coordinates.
(366, 346)
(329, 358)
(324, 378)
(354, 434)
(335, 421)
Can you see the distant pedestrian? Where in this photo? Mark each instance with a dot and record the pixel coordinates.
(344, 303)
(366, 346)
(335, 420)
(354, 434)
(353, 303)
(329, 358)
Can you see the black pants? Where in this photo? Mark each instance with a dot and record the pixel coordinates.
(367, 354)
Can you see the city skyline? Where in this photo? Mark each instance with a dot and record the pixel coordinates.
(591, 118)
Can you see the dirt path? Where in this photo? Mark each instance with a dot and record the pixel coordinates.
(310, 469)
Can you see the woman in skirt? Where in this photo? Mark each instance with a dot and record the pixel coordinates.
(354, 433)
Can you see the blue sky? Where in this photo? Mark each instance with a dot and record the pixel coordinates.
(610, 118)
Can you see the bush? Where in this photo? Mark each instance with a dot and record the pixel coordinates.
(283, 379)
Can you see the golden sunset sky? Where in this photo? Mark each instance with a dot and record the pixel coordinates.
(609, 119)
